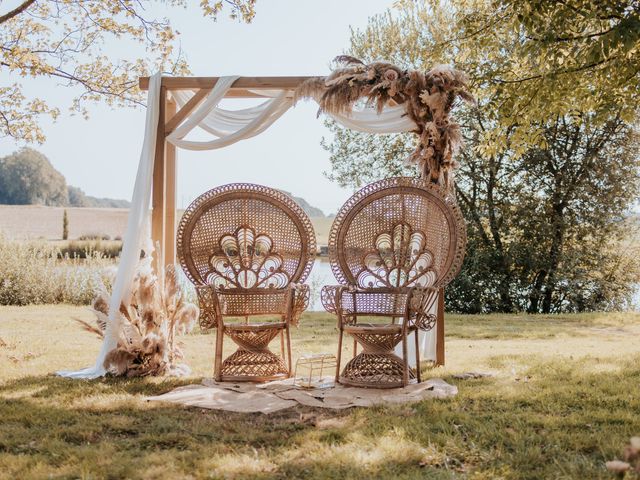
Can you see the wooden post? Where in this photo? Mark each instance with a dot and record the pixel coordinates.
(440, 329)
(158, 193)
(170, 192)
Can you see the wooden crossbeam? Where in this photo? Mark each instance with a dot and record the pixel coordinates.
(239, 88)
(185, 110)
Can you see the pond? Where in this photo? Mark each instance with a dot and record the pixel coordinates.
(321, 275)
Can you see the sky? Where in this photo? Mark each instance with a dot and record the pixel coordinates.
(287, 37)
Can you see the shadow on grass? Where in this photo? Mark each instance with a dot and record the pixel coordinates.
(523, 326)
(53, 385)
(564, 422)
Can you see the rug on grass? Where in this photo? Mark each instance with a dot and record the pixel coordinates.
(273, 396)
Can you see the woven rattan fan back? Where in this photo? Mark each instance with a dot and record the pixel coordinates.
(245, 236)
(398, 232)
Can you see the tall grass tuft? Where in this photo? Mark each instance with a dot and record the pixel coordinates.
(89, 248)
(34, 272)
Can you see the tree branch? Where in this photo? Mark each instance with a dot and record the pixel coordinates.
(16, 11)
(474, 214)
(573, 38)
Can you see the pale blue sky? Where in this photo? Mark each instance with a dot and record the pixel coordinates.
(287, 37)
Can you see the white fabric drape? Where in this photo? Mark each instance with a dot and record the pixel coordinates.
(426, 342)
(227, 127)
(232, 126)
(136, 235)
(391, 120)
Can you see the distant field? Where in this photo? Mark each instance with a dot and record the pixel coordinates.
(27, 221)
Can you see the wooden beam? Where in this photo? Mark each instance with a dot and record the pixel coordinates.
(242, 93)
(440, 329)
(158, 191)
(176, 118)
(243, 83)
(170, 193)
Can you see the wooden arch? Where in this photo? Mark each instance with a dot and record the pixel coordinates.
(163, 200)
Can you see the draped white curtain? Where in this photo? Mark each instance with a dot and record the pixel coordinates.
(225, 127)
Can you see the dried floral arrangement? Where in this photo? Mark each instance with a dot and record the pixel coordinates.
(152, 316)
(427, 96)
(630, 459)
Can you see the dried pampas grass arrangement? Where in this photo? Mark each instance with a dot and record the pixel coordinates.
(630, 462)
(150, 319)
(428, 98)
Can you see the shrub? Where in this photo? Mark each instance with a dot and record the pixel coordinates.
(94, 236)
(32, 273)
(82, 249)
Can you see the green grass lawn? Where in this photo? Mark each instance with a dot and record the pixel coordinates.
(563, 399)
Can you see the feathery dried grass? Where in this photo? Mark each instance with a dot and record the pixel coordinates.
(428, 97)
(153, 314)
(33, 272)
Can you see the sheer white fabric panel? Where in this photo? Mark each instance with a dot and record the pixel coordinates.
(426, 342)
(229, 127)
(391, 120)
(221, 122)
(136, 235)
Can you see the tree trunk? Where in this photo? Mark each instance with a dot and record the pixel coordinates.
(506, 302)
(554, 256)
(536, 291)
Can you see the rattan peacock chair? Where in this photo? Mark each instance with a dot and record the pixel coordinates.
(248, 249)
(392, 246)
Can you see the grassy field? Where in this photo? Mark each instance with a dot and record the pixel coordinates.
(563, 399)
(30, 221)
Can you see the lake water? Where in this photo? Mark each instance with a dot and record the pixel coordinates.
(321, 275)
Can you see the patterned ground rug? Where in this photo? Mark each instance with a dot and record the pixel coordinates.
(273, 396)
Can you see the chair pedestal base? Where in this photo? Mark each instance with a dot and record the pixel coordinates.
(376, 366)
(253, 366)
(375, 370)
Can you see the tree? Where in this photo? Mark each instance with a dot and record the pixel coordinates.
(28, 178)
(65, 225)
(62, 40)
(77, 197)
(529, 60)
(547, 222)
(548, 230)
(563, 56)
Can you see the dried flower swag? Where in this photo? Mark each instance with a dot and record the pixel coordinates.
(428, 98)
(150, 319)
